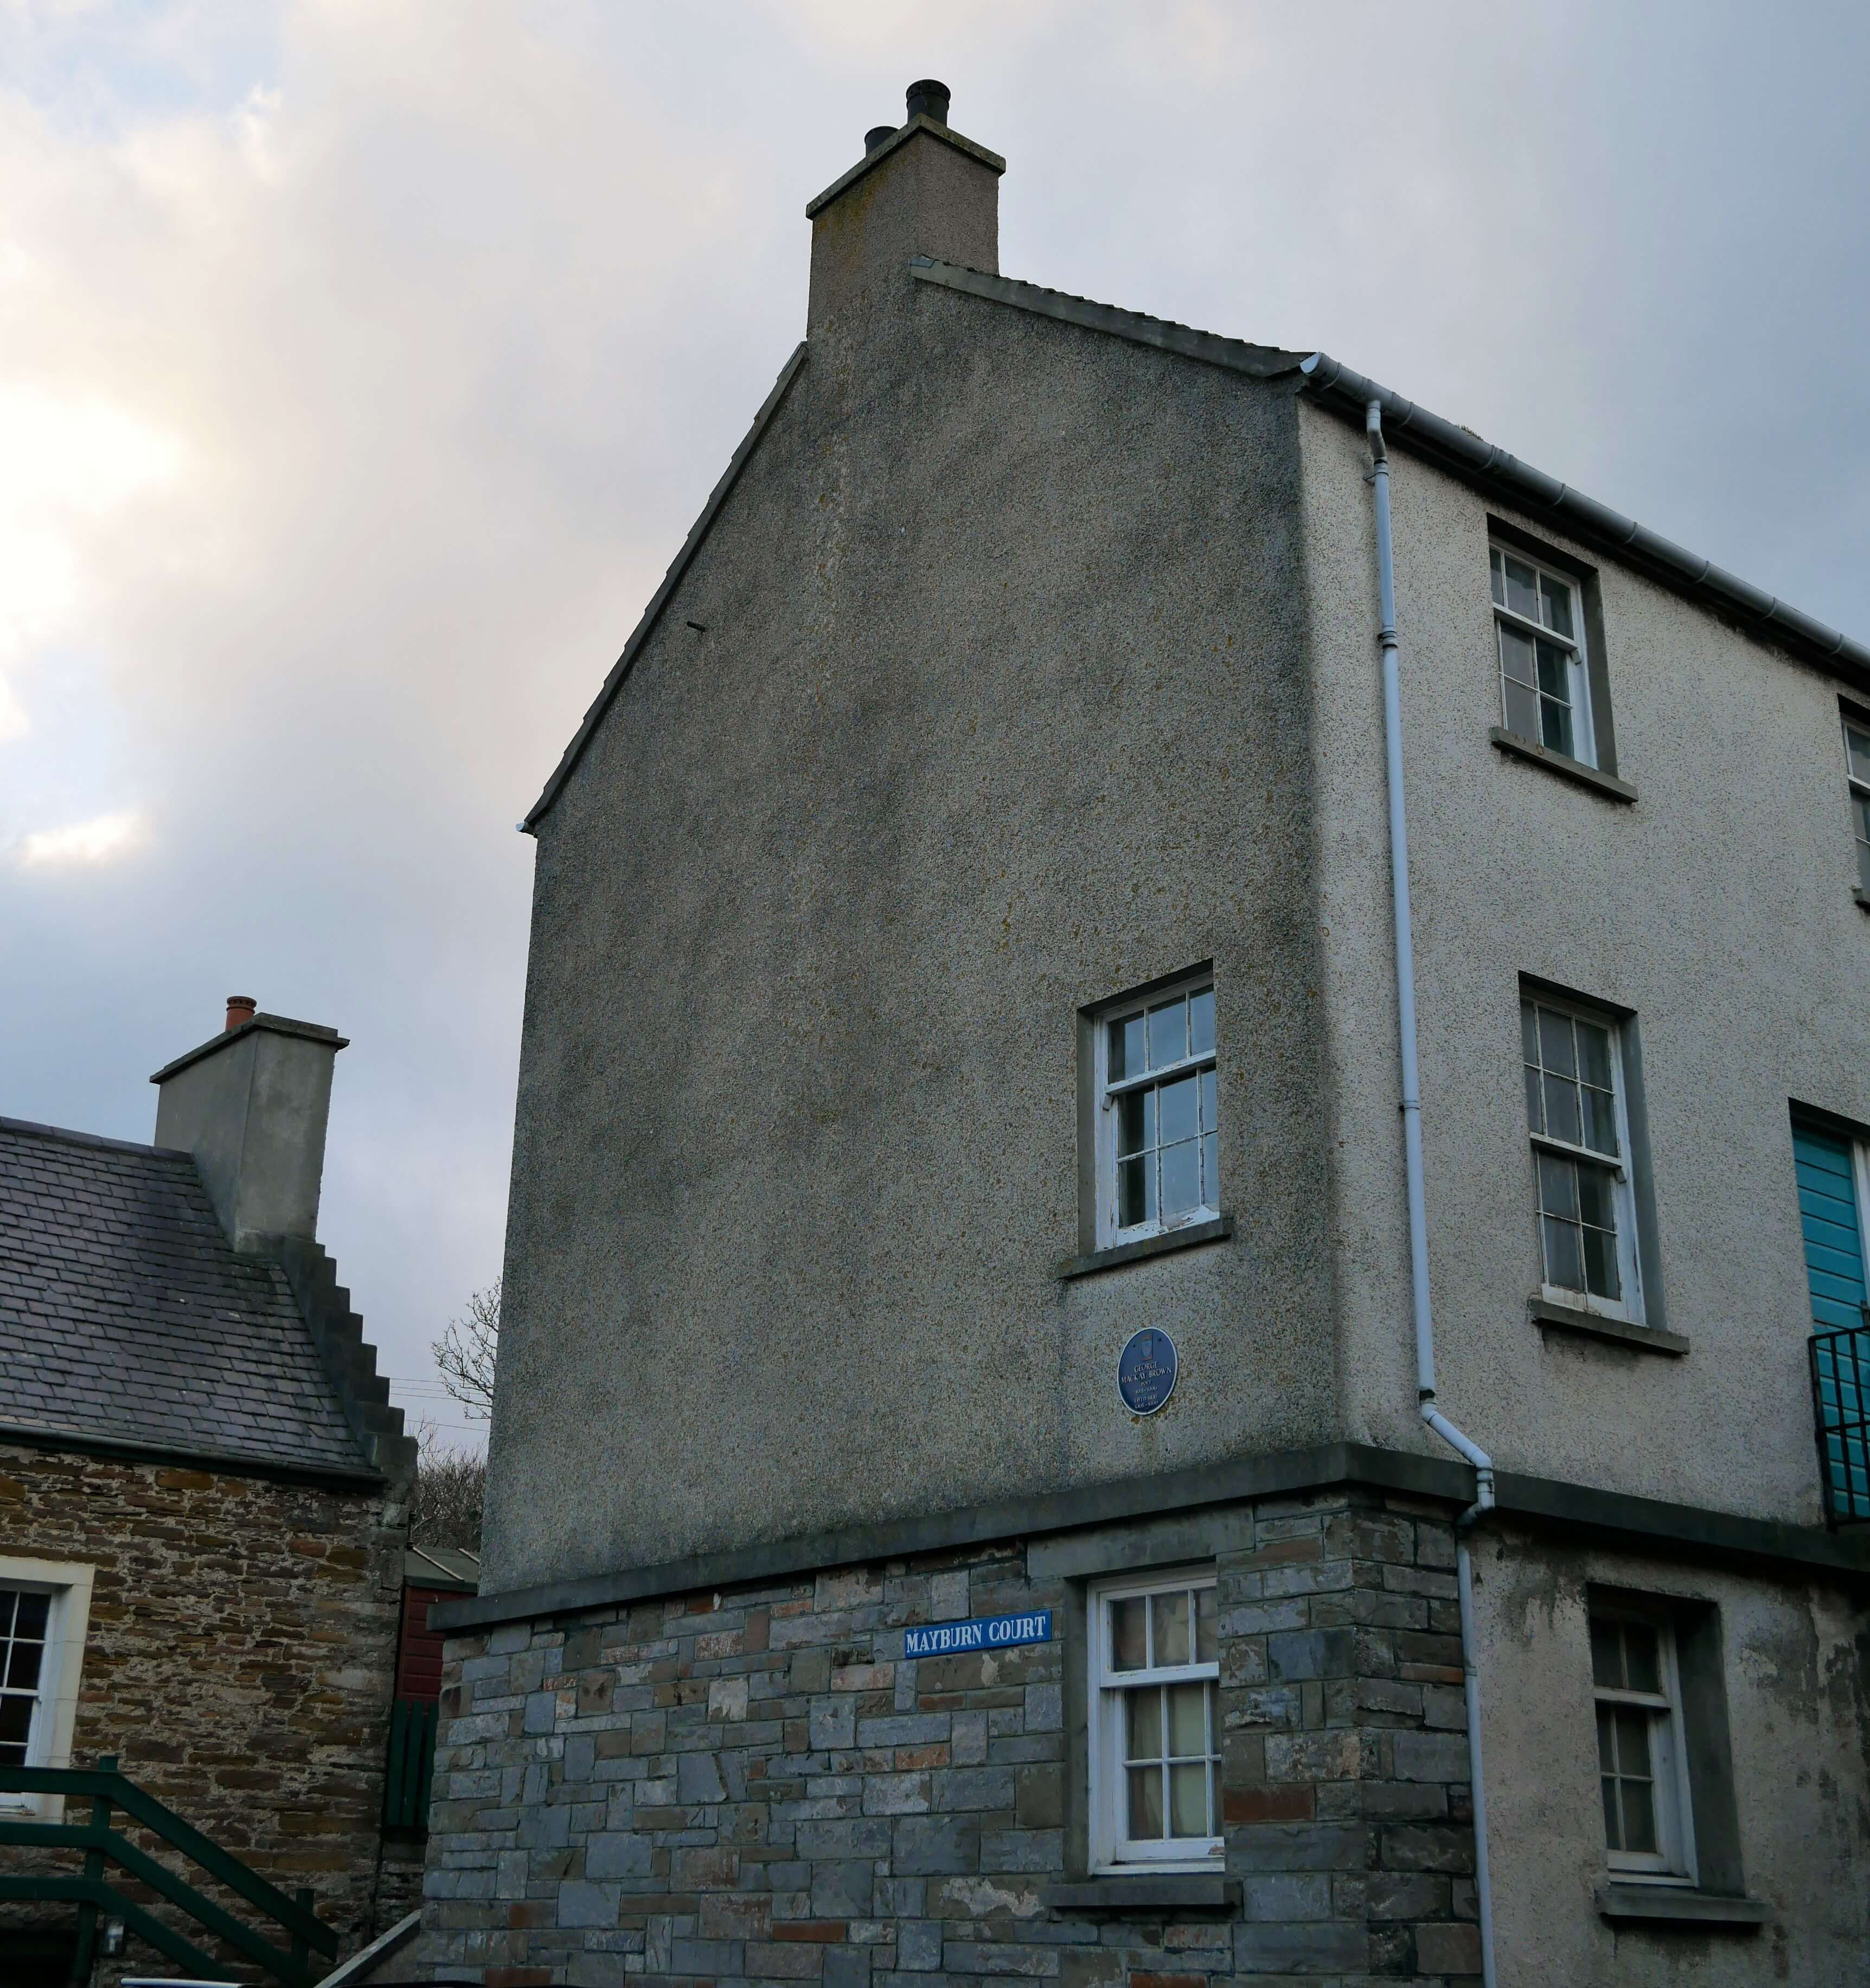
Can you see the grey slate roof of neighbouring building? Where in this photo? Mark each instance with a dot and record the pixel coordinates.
(442, 1566)
(126, 1316)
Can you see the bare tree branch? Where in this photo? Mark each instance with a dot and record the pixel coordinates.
(465, 1352)
(451, 1487)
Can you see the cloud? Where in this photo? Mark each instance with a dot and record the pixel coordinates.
(367, 364)
(65, 466)
(83, 845)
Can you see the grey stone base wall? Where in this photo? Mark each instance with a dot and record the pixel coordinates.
(757, 1786)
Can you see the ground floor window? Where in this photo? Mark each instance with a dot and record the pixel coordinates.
(45, 1611)
(23, 1627)
(1641, 1750)
(1155, 1769)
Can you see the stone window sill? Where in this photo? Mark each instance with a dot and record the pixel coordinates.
(1862, 895)
(1568, 769)
(1679, 1905)
(1216, 1231)
(1570, 1318)
(1167, 1894)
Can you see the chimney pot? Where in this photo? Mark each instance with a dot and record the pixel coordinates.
(928, 99)
(241, 1008)
(877, 134)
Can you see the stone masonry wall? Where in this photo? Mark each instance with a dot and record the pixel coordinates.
(239, 1664)
(757, 1786)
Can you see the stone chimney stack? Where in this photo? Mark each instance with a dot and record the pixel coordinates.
(251, 1104)
(920, 189)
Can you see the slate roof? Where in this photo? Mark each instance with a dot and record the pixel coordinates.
(442, 1566)
(125, 1315)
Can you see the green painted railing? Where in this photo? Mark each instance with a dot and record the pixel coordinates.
(410, 1772)
(94, 1895)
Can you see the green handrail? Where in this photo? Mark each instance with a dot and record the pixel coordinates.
(94, 1893)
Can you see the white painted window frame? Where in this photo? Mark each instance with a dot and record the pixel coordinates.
(1859, 790)
(1675, 1816)
(1629, 1309)
(1111, 1849)
(67, 1623)
(1584, 723)
(1109, 1234)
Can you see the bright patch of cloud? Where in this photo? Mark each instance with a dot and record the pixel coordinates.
(65, 464)
(84, 456)
(85, 844)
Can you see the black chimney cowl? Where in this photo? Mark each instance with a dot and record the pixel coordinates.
(928, 99)
(877, 134)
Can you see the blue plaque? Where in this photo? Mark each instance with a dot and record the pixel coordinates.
(985, 1632)
(1146, 1372)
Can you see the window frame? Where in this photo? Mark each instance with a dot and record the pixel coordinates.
(1674, 1863)
(68, 1624)
(1631, 1308)
(1111, 1850)
(1584, 727)
(1105, 1091)
(1852, 721)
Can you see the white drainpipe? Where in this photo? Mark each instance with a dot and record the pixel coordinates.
(1412, 1162)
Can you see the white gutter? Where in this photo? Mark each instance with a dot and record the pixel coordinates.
(1462, 452)
(1412, 1167)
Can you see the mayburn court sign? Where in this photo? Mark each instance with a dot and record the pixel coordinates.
(985, 1632)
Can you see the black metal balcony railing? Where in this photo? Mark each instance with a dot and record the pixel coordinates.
(1841, 1403)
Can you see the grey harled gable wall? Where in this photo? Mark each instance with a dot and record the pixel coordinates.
(1718, 907)
(999, 709)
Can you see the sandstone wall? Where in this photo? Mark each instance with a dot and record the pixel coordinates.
(239, 1663)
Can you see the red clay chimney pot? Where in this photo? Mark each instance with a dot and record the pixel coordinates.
(240, 1008)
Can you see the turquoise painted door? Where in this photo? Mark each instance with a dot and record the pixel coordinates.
(1835, 1274)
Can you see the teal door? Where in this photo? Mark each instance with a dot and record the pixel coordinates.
(1841, 1344)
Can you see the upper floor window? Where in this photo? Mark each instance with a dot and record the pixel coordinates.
(1857, 761)
(25, 1630)
(1539, 627)
(1158, 1151)
(1643, 1761)
(1156, 1739)
(1577, 1113)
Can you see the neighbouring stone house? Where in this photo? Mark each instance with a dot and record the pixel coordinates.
(202, 1485)
(1003, 1463)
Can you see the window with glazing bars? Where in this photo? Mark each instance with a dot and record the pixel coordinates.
(1576, 1111)
(1539, 628)
(1155, 1740)
(1159, 1163)
(1642, 1758)
(25, 1616)
(1857, 762)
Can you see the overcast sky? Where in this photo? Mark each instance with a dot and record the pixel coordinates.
(363, 365)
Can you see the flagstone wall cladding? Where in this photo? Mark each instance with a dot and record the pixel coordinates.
(239, 1663)
(757, 1786)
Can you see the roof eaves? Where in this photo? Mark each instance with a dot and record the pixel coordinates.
(660, 599)
(233, 1463)
(1495, 473)
(1262, 361)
